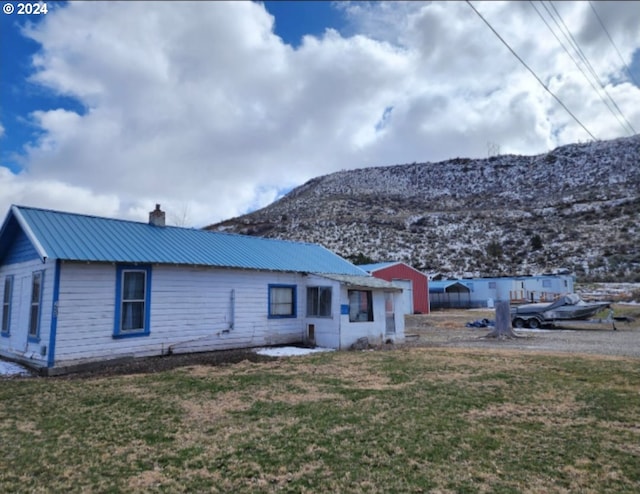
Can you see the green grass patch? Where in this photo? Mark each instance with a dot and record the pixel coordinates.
(392, 421)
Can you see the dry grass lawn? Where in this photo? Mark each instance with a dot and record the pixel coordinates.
(416, 419)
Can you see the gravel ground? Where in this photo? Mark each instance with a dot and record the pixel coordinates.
(448, 330)
(623, 342)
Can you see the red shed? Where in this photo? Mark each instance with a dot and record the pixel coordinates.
(403, 274)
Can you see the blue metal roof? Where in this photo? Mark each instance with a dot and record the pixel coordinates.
(76, 237)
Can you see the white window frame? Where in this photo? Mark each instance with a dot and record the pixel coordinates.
(278, 309)
(120, 331)
(315, 305)
(35, 306)
(6, 306)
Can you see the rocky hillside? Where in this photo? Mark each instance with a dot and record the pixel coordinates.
(575, 208)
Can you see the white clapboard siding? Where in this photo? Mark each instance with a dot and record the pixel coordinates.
(190, 311)
(326, 329)
(17, 344)
(373, 331)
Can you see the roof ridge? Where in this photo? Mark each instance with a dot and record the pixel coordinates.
(183, 228)
(83, 237)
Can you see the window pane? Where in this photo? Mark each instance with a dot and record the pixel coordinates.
(312, 301)
(7, 290)
(325, 301)
(132, 315)
(6, 305)
(281, 301)
(282, 295)
(33, 322)
(35, 288)
(34, 316)
(360, 306)
(133, 285)
(5, 319)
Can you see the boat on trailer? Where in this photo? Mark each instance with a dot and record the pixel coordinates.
(566, 308)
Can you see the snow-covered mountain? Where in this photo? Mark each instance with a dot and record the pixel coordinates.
(576, 207)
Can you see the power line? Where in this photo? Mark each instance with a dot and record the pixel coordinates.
(613, 44)
(585, 60)
(531, 71)
(572, 42)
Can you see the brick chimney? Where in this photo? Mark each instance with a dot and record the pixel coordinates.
(156, 217)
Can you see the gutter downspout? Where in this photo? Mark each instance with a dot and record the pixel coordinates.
(233, 309)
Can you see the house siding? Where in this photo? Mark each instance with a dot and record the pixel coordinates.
(374, 331)
(326, 329)
(21, 250)
(18, 344)
(190, 310)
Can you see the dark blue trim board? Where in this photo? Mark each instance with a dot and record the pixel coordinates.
(294, 289)
(51, 352)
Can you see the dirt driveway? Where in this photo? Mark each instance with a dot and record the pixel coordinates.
(447, 329)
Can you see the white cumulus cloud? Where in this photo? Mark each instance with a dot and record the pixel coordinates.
(201, 107)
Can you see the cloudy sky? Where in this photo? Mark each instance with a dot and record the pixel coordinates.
(214, 109)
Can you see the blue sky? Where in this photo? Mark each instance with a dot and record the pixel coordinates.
(294, 19)
(19, 98)
(216, 108)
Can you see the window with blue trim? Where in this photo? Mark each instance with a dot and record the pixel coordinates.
(6, 305)
(36, 302)
(133, 292)
(282, 301)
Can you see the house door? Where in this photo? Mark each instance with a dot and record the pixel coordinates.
(390, 316)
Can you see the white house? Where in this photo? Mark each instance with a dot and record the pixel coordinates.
(79, 289)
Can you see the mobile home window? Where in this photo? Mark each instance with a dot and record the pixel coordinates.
(133, 289)
(36, 301)
(492, 284)
(360, 306)
(546, 283)
(282, 301)
(6, 304)
(319, 301)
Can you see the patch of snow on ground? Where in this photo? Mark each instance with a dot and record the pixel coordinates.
(290, 351)
(11, 369)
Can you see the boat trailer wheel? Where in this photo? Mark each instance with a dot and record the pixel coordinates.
(534, 323)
